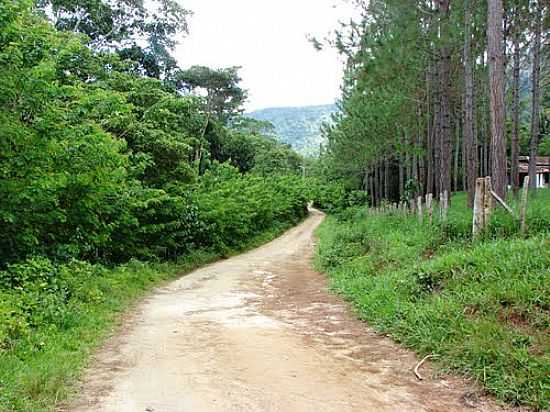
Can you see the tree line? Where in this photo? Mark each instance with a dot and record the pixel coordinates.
(439, 92)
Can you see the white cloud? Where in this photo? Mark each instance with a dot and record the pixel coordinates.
(268, 38)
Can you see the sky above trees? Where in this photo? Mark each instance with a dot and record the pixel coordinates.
(268, 39)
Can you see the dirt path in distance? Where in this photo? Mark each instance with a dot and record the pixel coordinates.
(260, 332)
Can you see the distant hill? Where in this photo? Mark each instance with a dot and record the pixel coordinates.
(298, 126)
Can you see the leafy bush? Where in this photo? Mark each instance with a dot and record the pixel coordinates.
(235, 207)
(334, 197)
(38, 293)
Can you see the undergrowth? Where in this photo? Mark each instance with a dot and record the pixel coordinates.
(482, 306)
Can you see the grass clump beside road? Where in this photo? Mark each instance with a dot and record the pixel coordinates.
(482, 306)
(58, 314)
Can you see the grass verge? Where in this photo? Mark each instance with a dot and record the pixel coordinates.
(51, 325)
(483, 307)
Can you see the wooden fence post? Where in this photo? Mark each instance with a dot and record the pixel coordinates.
(419, 209)
(487, 202)
(443, 205)
(523, 205)
(429, 207)
(479, 204)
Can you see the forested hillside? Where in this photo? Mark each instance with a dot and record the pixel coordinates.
(300, 127)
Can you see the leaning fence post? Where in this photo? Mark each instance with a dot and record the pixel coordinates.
(523, 205)
(479, 202)
(502, 203)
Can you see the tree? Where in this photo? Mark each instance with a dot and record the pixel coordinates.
(514, 172)
(535, 106)
(445, 112)
(123, 26)
(220, 87)
(496, 95)
(470, 147)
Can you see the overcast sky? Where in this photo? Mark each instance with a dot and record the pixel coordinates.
(268, 39)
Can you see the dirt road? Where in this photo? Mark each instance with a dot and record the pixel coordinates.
(260, 332)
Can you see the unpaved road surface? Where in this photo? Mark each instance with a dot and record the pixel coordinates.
(260, 332)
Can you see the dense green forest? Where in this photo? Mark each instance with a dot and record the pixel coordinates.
(430, 103)
(104, 163)
(300, 127)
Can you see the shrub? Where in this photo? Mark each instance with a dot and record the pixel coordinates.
(334, 197)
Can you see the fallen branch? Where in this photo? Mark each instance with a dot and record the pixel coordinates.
(419, 377)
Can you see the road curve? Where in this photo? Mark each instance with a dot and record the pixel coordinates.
(260, 332)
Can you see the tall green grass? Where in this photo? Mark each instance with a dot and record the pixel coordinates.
(482, 306)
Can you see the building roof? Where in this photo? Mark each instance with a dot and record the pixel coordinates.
(541, 160)
(524, 169)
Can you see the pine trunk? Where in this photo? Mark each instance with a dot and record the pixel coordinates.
(371, 185)
(437, 142)
(376, 186)
(535, 108)
(515, 112)
(445, 115)
(470, 146)
(401, 178)
(456, 154)
(496, 94)
(430, 138)
(386, 178)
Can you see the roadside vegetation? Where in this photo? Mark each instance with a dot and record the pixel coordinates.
(51, 323)
(481, 307)
(438, 101)
(118, 171)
